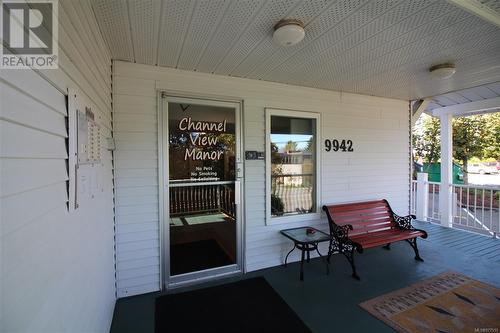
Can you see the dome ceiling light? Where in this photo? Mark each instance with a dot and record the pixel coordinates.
(443, 71)
(288, 32)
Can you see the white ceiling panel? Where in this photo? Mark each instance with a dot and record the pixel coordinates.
(234, 24)
(144, 18)
(258, 30)
(175, 20)
(205, 20)
(271, 53)
(112, 16)
(375, 47)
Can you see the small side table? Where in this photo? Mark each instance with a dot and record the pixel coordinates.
(306, 242)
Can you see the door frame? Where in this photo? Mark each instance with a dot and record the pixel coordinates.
(166, 281)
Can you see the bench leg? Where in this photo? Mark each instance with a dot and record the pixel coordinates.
(387, 246)
(350, 257)
(413, 244)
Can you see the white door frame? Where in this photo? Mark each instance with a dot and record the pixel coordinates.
(166, 281)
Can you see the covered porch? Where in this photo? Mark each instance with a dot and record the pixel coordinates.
(329, 303)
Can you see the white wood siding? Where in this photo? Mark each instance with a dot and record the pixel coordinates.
(57, 268)
(378, 167)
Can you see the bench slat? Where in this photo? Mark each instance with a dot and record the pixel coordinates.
(363, 219)
(384, 237)
(356, 213)
(357, 206)
(364, 231)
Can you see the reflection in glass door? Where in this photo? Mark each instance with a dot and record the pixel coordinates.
(202, 188)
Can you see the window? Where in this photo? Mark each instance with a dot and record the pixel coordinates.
(292, 165)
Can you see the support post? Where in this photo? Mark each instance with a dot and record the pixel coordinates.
(445, 189)
(421, 211)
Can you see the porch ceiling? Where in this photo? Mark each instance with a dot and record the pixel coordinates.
(466, 96)
(381, 47)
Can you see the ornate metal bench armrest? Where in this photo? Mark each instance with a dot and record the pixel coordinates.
(404, 222)
(341, 232)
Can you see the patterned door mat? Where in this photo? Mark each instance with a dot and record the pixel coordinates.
(448, 302)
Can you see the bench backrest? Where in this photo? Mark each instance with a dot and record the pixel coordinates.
(364, 217)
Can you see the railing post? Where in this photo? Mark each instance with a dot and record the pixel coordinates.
(422, 204)
(445, 190)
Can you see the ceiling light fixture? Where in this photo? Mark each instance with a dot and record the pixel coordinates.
(288, 32)
(443, 71)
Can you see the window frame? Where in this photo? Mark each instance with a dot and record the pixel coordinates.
(269, 112)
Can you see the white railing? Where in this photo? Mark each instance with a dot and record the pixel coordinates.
(413, 197)
(474, 208)
(434, 214)
(477, 208)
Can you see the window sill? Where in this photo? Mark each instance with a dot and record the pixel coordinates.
(283, 220)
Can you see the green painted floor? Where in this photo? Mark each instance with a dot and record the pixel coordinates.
(329, 303)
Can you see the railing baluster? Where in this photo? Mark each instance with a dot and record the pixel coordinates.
(482, 208)
(492, 198)
(475, 205)
(460, 206)
(468, 205)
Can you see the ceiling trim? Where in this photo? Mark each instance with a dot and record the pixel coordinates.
(478, 9)
(477, 107)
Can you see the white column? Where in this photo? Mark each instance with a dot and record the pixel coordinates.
(445, 190)
(422, 196)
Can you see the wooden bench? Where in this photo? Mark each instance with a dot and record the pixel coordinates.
(363, 225)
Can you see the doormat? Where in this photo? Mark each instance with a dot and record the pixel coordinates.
(448, 302)
(250, 305)
(197, 256)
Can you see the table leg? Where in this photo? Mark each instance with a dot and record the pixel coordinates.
(286, 258)
(308, 253)
(302, 264)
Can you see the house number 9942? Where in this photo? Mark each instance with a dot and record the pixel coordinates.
(338, 145)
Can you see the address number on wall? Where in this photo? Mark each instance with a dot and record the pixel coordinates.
(338, 145)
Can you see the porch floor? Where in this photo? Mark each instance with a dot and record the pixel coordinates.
(328, 303)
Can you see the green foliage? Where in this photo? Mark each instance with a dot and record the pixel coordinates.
(474, 138)
(277, 206)
(492, 149)
(276, 161)
(469, 138)
(427, 143)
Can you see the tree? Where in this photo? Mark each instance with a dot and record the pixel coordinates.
(290, 146)
(492, 149)
(469, 139)
(427, 143)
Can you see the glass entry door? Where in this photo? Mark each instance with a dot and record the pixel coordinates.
(202, 194)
